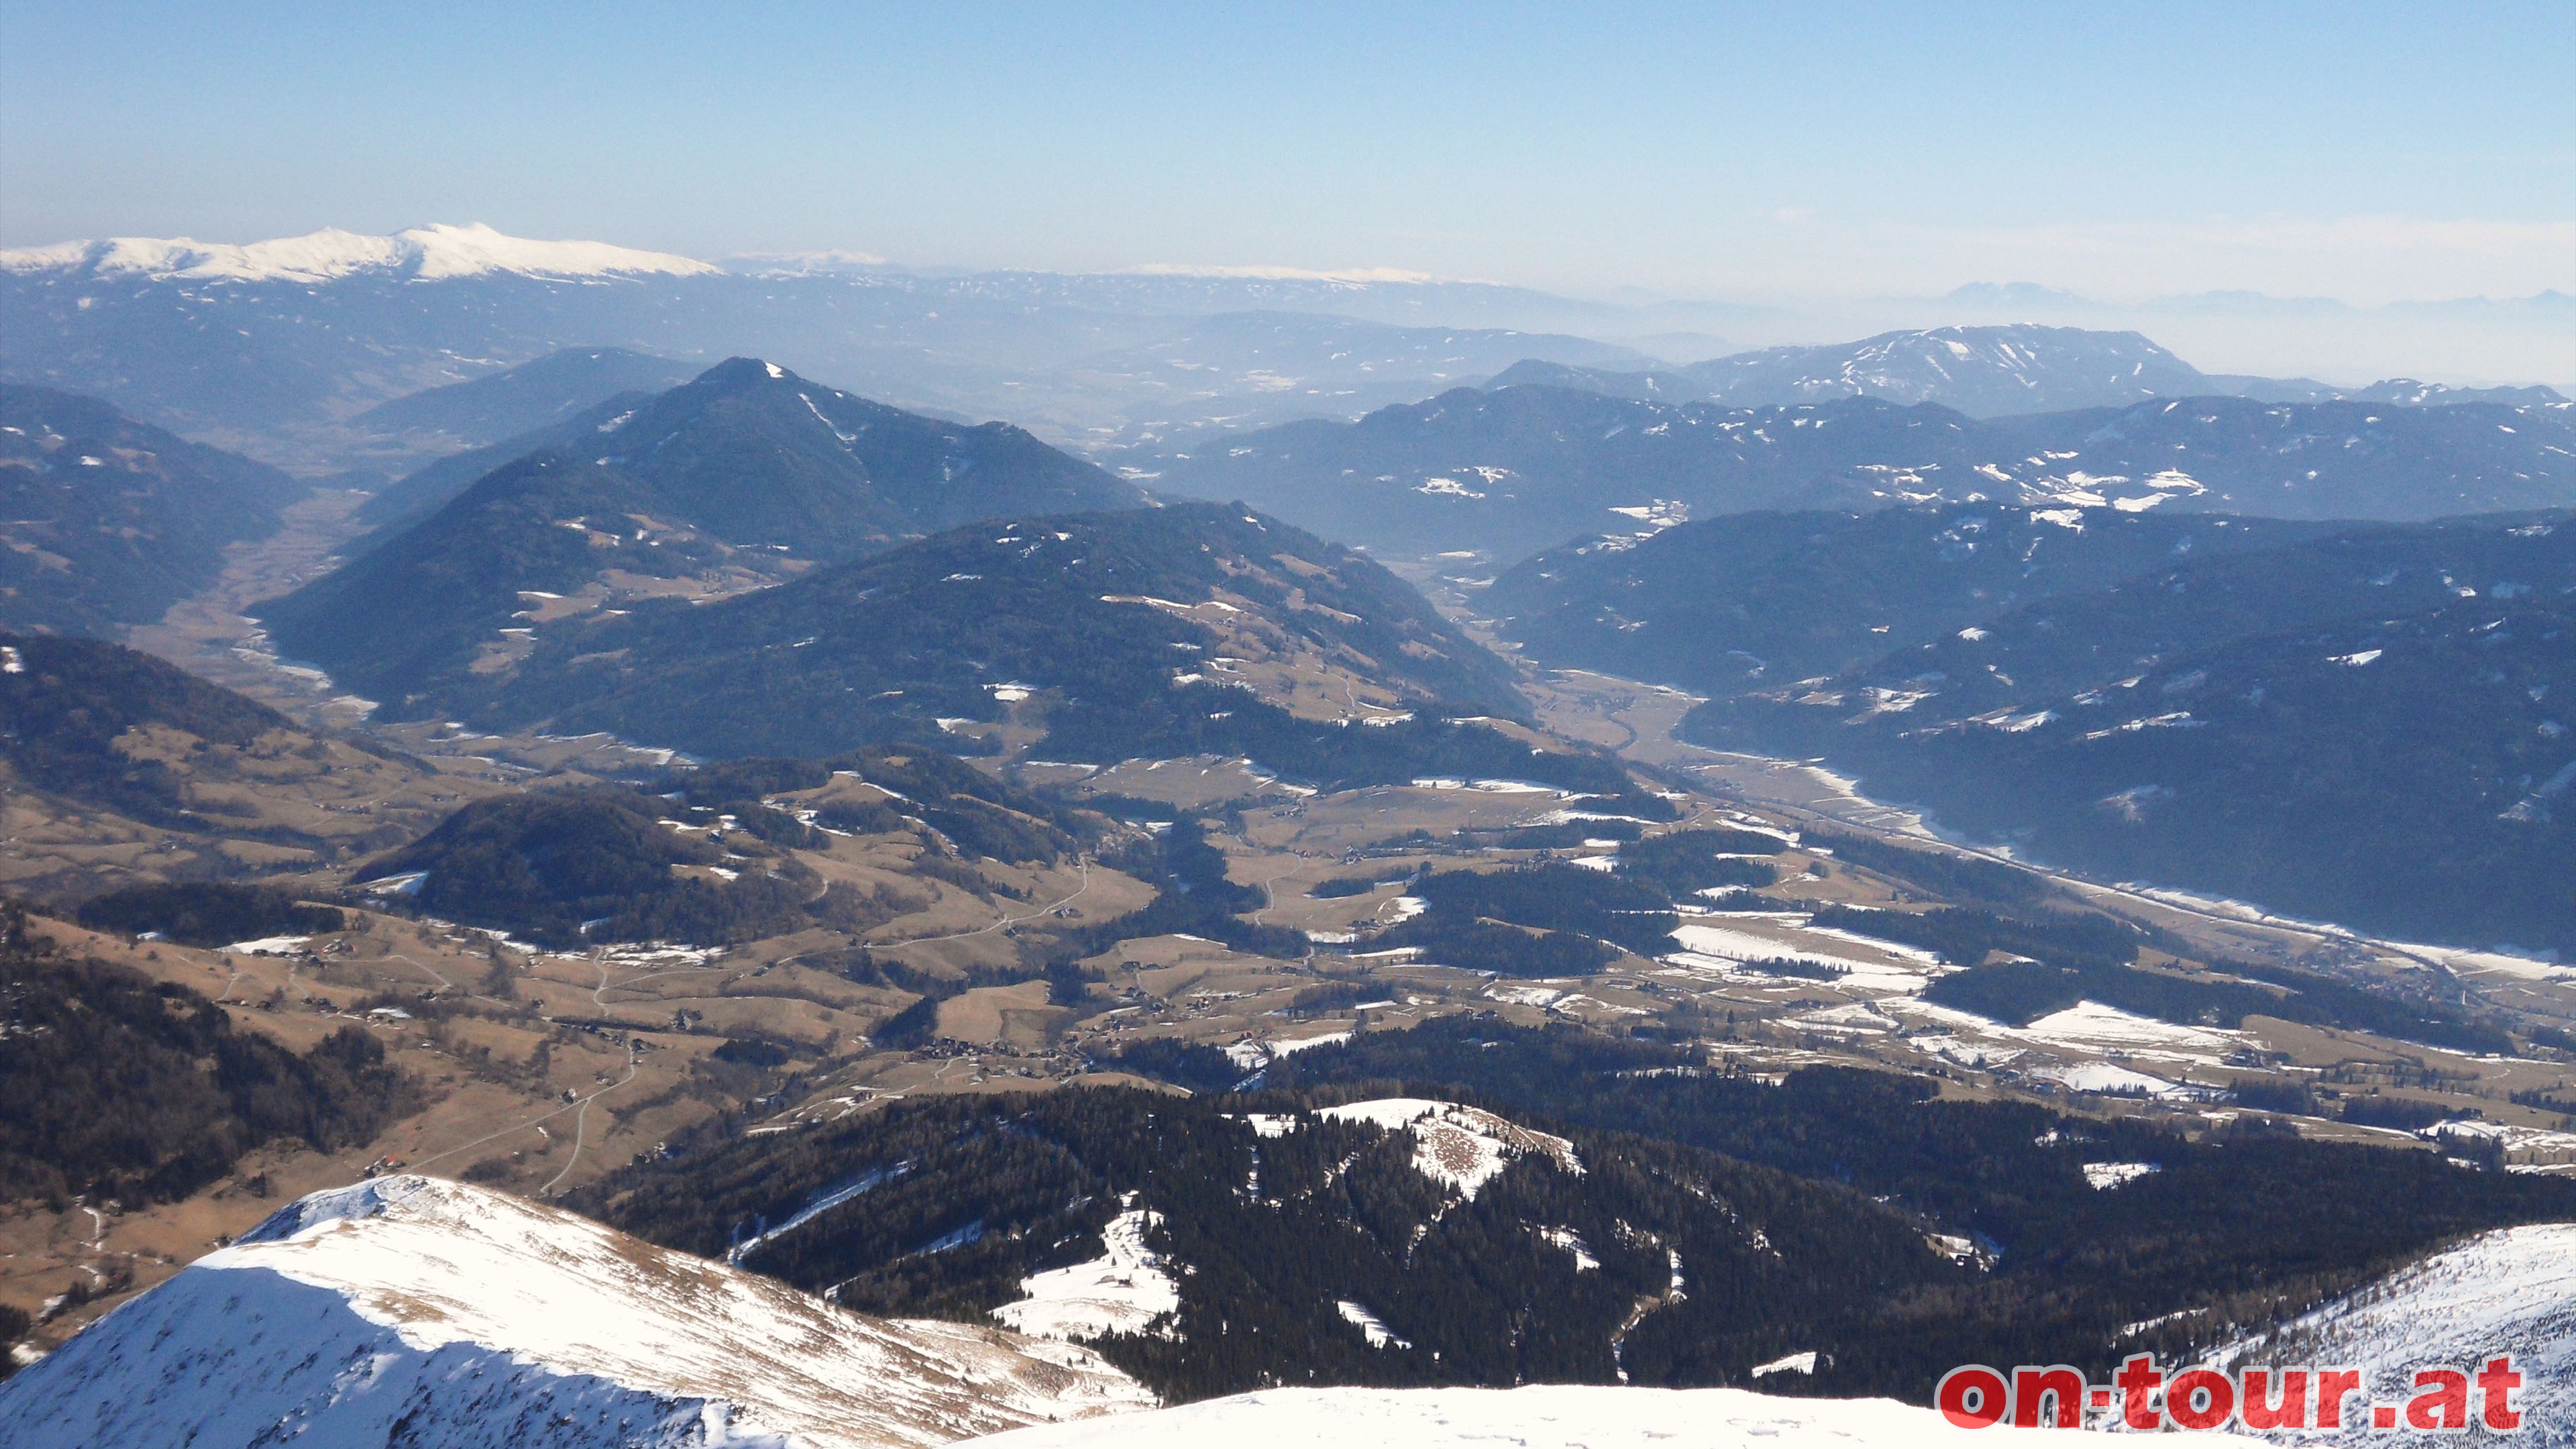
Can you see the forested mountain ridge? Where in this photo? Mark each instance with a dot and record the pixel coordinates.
(1404, 1209)
(2360, 721)
(1317, 1246)
(65, 705)
(1513, 470)
(110, 521)
(1761, 599)
(1162, 632)
(735, 480)
(161, 775)
(425, 490)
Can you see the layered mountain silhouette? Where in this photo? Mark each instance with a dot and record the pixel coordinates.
(425, 490)
(1510, 470)
(548, 391)
(742, 477)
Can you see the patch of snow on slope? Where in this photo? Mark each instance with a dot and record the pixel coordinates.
(2103, 1176)
(2509, 1291)
(1371, 1327)
(1464, 1147)
(2091, 1024)
(1122, 1291)
(1572, 1242)
(2104, 1077)
(474, 1319)
(1540, 1416)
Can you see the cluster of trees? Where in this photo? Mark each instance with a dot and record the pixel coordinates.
(208, 913)
(1193, 897)
(1355, 885)
(565, 868)
(1966, 936)
(125, 1088)
(1684, 862)
(1946, 875)
(1193, 1065)
(1546, 896)
(14, 1324)
(1550, 837)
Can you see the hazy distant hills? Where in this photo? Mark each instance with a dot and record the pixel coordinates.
(280, 344)
(547, 392)
(1511, 470)
(737, 479)
(2361, 722)
(2405, 391)
(1167, 632)
(1985, 372)
(1244, 369)
(307, 330)
(110, 521)
(1980, 371)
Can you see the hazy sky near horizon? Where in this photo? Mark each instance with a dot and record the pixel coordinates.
(2362, 151)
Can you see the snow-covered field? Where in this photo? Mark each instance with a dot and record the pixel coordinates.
(1552, 1416)
(1122, 1291)
(417, 1311)
(1461, 1147)
(1721, 943)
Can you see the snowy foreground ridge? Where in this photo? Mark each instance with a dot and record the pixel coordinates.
(415, 1311)
(1553, 1416)
(2508, 1291)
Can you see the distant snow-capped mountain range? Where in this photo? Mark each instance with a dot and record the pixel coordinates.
(423, 253)
(267, 347)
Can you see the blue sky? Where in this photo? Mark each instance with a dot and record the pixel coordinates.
(2368, 152)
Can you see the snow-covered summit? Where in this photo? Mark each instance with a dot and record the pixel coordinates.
(415, 1310)
(425, 253)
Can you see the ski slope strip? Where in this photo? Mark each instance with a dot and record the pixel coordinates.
(410, 1310)
(2509, 1291)
(1552, 1416)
